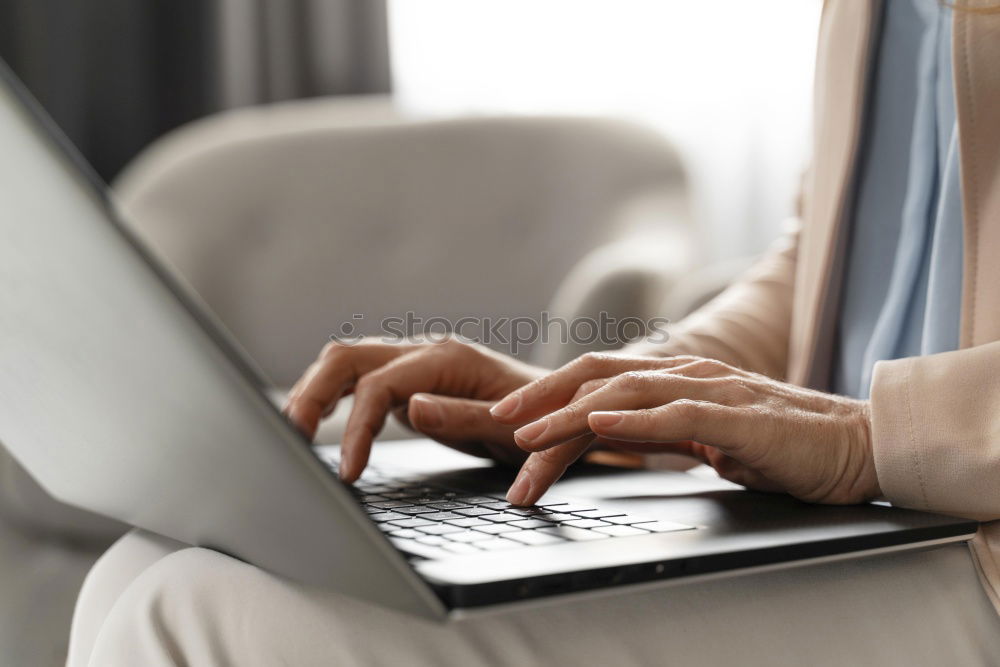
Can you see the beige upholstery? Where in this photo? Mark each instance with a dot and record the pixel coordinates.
(290, 219)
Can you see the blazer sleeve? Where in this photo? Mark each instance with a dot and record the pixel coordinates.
(936, 431)
(749, 324)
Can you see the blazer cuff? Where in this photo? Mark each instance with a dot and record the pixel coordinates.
(895, 447)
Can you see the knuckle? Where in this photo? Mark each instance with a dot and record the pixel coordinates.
(571, 412)
(704, 366)
(455, 345)
(633, 380)
(331, 350)
(733, 388)
(594, 359)
(686, 409)
(541, 386)
(646, 416)
(449, 342)
(680, 359)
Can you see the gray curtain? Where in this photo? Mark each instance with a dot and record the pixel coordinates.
(282, 49)
(116, 74)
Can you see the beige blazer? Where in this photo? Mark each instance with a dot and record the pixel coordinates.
(936, 419)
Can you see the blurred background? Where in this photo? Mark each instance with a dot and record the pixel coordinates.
(314, 166)
(726, 81)
(645, 149)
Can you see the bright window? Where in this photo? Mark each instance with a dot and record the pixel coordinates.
(727, 80)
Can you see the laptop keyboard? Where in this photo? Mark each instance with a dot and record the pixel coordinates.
(430, 521)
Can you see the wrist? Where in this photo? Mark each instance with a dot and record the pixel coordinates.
(868, 484)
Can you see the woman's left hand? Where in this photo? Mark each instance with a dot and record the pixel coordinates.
(755, 431)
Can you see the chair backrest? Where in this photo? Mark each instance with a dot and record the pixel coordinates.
(295, 220)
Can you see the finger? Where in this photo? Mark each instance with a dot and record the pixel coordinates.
(720, 426)
(379, 391)
(316, 394)
(589, 387)
(463, 424)
(635, 389)
(543, 469)
(554, 390)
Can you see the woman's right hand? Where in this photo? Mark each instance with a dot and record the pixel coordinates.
(443, 390)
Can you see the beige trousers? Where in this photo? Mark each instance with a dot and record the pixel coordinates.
(148, 602)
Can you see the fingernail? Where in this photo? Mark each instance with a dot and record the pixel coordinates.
(605, 419)
(532, 431)
(428, 411)
(520, 489)
(507, 406)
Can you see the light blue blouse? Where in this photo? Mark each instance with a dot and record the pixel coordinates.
(903, 274)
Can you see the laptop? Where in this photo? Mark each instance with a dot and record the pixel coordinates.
(121, 394)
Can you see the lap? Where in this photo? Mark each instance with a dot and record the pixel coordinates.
(194, 606)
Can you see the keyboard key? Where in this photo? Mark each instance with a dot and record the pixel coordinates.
(574, 534)
(433, 540)
(405, 532)
(664, 526)
(586, 523)
(440, 529)
(498, 544)
(550, 503)
(525, 511)
(573, 508)
(386, 527)
(425, 500)
(418, 490)
(380, 517)
(497, 528)
(620, 531)
(468, 536)
(413, 522)
(417, 549)
(535, 537)
(498, 505)
(559, 516)
(475, 500)
(371, 498)
(419, 509)
(469, 522)
(475, 511)
(391, 504)
(598, 514)
(460, 548)
(531, 523)
(441, 516)
(503, 517)
(449, 506)
(628, 520)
